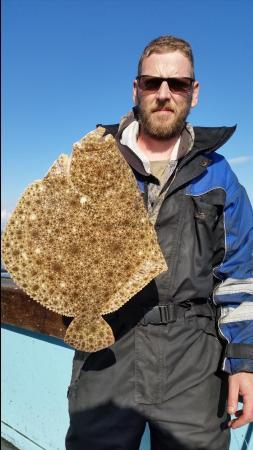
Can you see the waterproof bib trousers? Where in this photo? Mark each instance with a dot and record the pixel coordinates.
(162, 374)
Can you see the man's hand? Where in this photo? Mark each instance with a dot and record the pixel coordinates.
(240, 384)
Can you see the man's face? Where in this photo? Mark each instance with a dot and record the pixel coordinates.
(162, 113)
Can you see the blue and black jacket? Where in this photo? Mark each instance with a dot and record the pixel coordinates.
(205, 230)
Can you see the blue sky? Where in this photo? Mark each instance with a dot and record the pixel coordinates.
(69, 64)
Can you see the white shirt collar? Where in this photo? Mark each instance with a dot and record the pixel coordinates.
(129, 138)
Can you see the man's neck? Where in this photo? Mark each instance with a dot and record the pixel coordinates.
(155, 149)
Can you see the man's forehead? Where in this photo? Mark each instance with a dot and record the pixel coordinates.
(173, 63)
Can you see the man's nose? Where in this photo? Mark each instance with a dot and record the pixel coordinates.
(163, 92)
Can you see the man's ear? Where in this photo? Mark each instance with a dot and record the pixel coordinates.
(195, 94)
(135, 92)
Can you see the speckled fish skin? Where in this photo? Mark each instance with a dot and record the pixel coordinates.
(79, 241)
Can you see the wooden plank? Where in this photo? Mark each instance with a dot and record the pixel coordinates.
(20, 310)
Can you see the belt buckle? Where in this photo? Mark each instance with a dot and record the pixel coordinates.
(164, 314)
(167, 313)
(160, 315)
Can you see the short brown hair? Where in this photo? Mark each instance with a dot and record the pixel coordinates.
(164, 44)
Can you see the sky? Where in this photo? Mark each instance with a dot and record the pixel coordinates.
(68, 65)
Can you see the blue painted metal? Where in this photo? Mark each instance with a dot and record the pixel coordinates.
(36, 371)
(35, 377)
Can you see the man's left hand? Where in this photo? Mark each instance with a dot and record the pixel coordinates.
(240, 384)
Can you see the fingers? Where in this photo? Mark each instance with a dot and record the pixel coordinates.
(240, 384)
(245, 415)
(237, 423)
(99, 131)
(233, 394)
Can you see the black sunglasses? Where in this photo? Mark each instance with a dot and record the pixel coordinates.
(176, 85)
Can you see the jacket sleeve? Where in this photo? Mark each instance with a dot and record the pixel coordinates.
(234, 293)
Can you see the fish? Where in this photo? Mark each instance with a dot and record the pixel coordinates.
(80, 242)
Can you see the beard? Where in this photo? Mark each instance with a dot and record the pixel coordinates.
(160, 126)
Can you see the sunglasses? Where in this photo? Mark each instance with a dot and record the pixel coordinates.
(176, 85)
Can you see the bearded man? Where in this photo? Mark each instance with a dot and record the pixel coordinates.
(183, 352)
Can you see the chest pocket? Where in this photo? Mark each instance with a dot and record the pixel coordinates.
(205, 212)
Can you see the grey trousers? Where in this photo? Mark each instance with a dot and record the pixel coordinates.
(164, 375)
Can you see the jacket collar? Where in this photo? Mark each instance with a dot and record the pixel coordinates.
(206, 140)
(209, 139)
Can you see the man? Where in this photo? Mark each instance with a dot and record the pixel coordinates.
(170, 366)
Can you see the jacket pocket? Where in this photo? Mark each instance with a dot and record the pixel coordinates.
(204, 211)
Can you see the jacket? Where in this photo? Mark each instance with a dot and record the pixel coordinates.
(205, 230)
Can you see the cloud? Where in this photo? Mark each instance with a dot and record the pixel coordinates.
(240, 160)
(5, 214)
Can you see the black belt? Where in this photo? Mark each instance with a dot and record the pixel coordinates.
(163, 314)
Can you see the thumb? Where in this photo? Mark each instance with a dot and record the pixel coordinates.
(233, 394)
